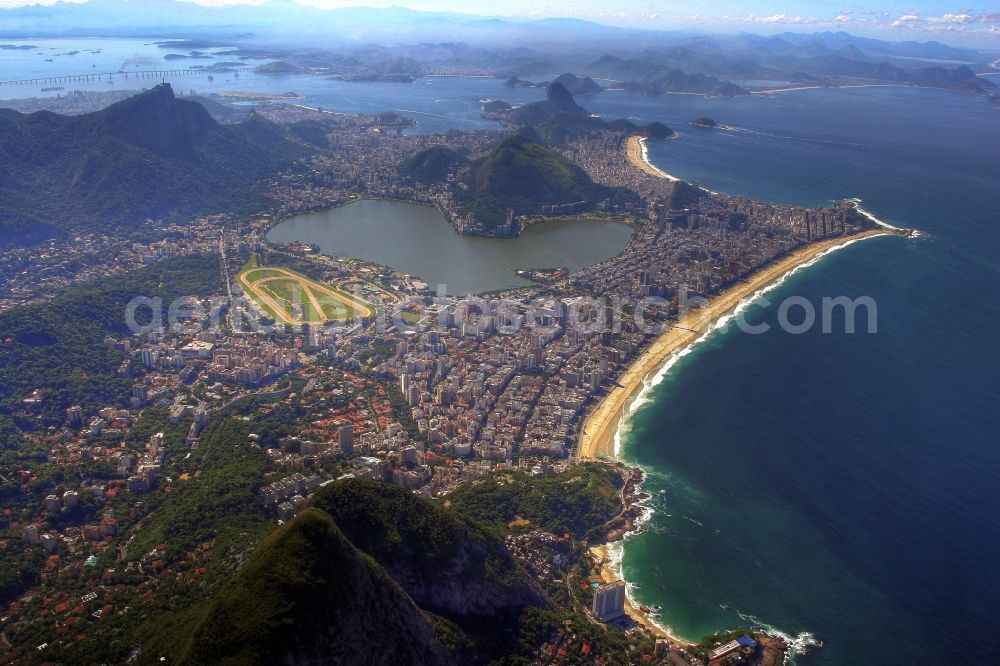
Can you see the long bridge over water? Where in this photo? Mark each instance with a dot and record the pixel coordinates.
(138, 75)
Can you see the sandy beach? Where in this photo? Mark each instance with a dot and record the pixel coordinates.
(635, 149)
(608, 573)
(597, 439)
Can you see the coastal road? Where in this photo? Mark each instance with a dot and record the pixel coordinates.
(596, 438)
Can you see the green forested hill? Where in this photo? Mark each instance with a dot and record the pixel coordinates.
(575, 501)
(447, 563)
(431, 165)
(149, 156)
(524, 175)
(58, 346)
(367, 573)
(307, 595)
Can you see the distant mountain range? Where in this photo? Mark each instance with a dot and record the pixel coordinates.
(649, 78)
(273, 17)
(149, 156)
(300, 24)
(399, 44)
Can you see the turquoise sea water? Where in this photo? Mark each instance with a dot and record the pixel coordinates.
(842, 485)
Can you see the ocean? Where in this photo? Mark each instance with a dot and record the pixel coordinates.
(840, 488)
(837, 488)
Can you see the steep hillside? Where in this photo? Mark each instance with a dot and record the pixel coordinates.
(564, 126)
(431, 165)
(366, 573)
(149, 156)
(447, 564)
(524, 175)
(577, 85)
(557, 100)
(307, 595)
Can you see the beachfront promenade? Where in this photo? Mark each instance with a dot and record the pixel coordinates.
(597, 437)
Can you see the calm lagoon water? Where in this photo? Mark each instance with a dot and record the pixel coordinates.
(418, 240)
(838, 485)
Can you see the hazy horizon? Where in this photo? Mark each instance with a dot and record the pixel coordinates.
(924, 20)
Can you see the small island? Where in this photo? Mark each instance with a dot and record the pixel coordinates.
(707, 123)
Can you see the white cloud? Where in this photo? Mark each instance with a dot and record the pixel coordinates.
(958, 19)
(906, 20)
(949, 21)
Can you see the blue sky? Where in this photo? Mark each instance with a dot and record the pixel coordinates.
(951, 21)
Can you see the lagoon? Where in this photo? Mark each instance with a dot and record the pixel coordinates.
(416, 239)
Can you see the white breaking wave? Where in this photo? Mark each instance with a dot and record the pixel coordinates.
(798, 645)
(720, 324)
(882, 223)
(615, 552)
(645, 158)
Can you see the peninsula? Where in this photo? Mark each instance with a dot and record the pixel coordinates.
(598, 438)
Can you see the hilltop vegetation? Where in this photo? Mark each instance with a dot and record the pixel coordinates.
(577, 501)
(149, 156)
(432, 165)
(524, 175)
(563, 127)
(448, 564)
(59, 346)
(683, 194)
(367, 573)
(308, 595)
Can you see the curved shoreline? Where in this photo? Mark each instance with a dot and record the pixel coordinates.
(638, 156)
(610, 566)
(599, 435)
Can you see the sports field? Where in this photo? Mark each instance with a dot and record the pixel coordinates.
(293, 298)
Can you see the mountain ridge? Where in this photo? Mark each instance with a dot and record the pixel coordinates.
(149, 156)
(307, 595)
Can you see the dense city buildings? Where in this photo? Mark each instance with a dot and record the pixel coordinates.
(429, 394)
